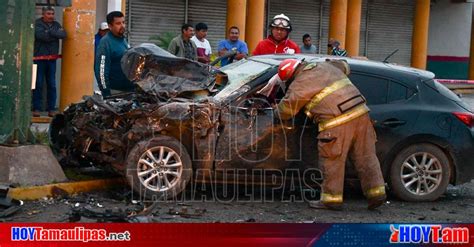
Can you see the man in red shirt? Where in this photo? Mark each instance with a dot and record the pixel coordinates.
(278, 41)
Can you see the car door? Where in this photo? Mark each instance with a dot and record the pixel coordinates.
(393, 108)
(251, 138)
(245, 135)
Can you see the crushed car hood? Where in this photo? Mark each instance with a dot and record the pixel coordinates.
(101, 130)
(159, 73)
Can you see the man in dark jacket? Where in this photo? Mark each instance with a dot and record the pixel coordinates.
(182, 45)
(48, 32)
(107, 66)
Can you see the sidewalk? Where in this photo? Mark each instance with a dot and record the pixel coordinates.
(459, 86)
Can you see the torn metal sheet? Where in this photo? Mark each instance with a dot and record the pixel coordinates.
(160, 73)
(102, 132)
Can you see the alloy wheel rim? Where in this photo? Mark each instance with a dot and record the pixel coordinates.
(159, 169)
(421, 173)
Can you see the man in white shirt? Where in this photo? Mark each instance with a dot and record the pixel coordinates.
(203, 47)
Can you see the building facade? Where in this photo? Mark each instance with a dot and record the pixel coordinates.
(385, 25)
(449, 36)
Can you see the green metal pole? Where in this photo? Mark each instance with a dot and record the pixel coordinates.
(16, 59)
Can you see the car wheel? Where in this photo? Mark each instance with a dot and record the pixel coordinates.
(56, 135)
(158, 168)
(420, 172)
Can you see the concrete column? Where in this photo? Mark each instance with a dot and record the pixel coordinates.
(471, 55)
(419, 50)
(354, 9)
(255, 25)
(236, 12)
(77, 75)
(337, 22)
(16, 59)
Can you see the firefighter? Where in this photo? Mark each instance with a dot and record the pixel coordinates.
(278, 40)
(345, 129)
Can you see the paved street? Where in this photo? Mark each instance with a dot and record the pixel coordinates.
(456, 206)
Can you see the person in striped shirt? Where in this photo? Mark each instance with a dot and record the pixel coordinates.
(335, 49)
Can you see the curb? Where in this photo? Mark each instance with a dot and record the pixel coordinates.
(61, 189)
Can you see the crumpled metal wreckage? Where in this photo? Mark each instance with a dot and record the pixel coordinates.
(170, 96)
(183, 118)
(167, 95)
(143, 215)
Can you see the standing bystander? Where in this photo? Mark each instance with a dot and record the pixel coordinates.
(103, 30)
(308, 47)
(107, 66)
(182, 45)
(48, 32)
(232, 44)
(336, 50)
(204, 49)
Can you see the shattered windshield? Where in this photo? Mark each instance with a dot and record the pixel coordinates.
(239, 74)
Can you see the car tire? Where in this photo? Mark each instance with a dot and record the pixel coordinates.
(420, 173)
(57, 138)
(155, 177)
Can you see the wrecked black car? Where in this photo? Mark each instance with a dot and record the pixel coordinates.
(186, 117)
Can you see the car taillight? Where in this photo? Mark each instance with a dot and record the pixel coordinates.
(465, 117)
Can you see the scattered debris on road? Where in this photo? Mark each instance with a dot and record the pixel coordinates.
(8, 206)
(185, 212)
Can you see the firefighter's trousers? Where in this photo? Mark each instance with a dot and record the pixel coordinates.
(354, 140)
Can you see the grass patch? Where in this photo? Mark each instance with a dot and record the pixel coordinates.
(75, 175)
(41, 137)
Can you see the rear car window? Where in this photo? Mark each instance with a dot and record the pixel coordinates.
(374, 89)
(398, 92)
(378, 90)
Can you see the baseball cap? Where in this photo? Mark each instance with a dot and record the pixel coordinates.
(104, 26)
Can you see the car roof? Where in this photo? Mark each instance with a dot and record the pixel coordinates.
(359, 64)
